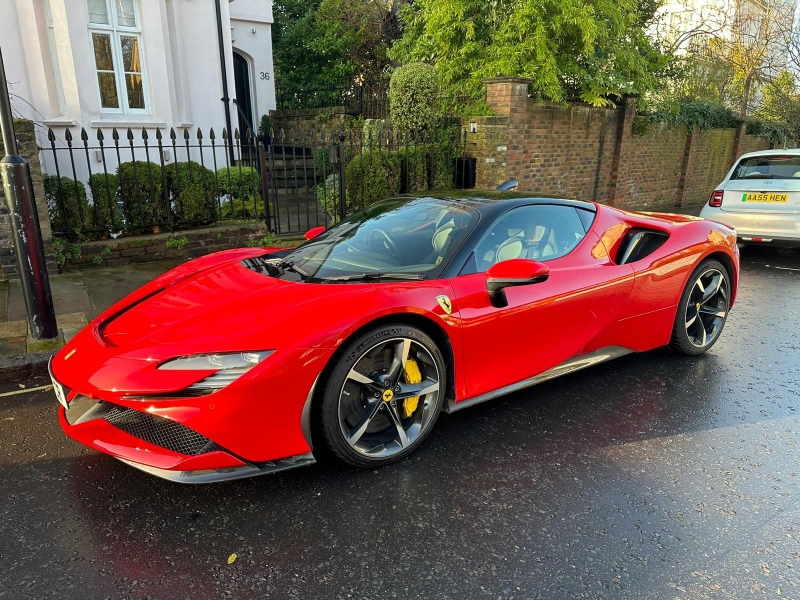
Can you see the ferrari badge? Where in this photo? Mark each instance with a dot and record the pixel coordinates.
(445, 303)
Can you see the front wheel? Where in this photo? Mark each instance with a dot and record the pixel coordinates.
(383, 396)
(703, 309)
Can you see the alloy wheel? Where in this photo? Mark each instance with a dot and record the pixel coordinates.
(707, 308)
(389, 397)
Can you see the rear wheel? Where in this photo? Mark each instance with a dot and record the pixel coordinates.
(703, 309)
(383, 396)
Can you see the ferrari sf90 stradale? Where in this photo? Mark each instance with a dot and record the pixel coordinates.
(251, 361)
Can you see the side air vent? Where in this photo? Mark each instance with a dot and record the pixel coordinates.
(638, 244)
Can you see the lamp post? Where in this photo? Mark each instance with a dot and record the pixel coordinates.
(31, 264)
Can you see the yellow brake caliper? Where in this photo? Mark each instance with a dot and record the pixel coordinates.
(411, 374)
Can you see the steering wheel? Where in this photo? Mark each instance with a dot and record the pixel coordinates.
(385, 242)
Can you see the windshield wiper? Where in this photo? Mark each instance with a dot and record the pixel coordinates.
(288, 265)
(371, 276)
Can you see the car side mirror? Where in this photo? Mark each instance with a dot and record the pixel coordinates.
(312, 233)
(512, 273)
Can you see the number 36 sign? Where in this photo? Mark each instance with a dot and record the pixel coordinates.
(264, 75)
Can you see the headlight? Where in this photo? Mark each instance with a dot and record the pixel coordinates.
(228, 367)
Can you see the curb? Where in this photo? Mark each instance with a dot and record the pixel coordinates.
(23, 365)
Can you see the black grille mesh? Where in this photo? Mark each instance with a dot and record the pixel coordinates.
(159, 431)
(649, 244)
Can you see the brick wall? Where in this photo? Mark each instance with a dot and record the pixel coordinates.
(488, 145)
(576, 151)
(184, 244)
(29, 150)
(322, 121)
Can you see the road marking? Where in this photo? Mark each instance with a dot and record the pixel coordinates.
(41, 388)
(782, 268)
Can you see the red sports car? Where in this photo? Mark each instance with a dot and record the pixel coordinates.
(243, 362)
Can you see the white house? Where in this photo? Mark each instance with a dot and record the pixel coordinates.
(103, 64)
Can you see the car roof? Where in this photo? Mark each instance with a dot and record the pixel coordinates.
(774, 152)
(492, 202)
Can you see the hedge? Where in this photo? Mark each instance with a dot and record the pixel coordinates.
(242, 185)
(67, 205)
(141, 187)
(413, 91)
(105, 199)
(192, 190)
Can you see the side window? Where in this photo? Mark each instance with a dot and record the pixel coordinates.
(538, 232)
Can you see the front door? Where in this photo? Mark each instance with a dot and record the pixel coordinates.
(244, 96)
(545, 323)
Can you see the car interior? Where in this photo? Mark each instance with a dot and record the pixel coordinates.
(540, 232)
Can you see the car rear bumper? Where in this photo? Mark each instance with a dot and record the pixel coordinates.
(759, 227)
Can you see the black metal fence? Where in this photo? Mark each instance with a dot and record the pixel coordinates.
(292, 180)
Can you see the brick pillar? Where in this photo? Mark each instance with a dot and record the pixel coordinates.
(507, 95)
(737, 143)
(688, 161)
(29, 150)
(627, 112)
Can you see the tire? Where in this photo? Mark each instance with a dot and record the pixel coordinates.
(698, 322)
(363, 414)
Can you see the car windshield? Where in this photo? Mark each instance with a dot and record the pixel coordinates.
(392, 239)
(768, 167)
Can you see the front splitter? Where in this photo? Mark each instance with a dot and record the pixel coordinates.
(226, 474)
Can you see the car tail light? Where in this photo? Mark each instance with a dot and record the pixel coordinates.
(716, 199)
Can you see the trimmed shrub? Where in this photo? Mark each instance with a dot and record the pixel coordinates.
(67, 205)
(413, 90)
(371, 176)
(242, 185)
(192, 190)
(105, 201)
(141, 188)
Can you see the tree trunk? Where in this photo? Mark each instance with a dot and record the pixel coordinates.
(748, 82)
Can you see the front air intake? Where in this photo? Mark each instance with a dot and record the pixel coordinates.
(159, 431)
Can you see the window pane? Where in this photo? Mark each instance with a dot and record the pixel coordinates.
(102, 52)
(135, 91)
(98, 12)
(131, 60)
(126, 17)
(108, 90)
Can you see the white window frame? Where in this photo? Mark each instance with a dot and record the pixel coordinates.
(117, 31)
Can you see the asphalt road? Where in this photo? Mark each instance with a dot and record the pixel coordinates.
(653, 476)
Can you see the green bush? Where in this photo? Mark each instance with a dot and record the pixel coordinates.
(141, 188)
(242, 185)
(67, 205)
(413, 90)
(105, 199)
(328, 197)
(413, 169)
(371, 176)
(193, 191)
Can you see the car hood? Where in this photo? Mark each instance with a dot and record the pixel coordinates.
(227, 307)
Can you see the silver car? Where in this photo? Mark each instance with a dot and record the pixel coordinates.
(760, 197)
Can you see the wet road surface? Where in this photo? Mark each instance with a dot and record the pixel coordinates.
(652, 476)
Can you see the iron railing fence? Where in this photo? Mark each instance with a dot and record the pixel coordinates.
(293, 180)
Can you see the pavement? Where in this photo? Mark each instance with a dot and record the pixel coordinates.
(78, 298)
(651, 477)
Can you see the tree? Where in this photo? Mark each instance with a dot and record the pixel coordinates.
(781, 102)
(318, 44)
(592, 49)
(754, 47)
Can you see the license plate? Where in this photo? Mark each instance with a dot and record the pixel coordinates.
(765, 197)
(61, 395)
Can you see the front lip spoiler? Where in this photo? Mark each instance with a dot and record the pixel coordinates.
(227, 474)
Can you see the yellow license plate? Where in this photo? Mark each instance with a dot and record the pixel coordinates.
(765, 197)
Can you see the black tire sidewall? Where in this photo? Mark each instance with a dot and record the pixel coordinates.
(327, 406)
(680, 338)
